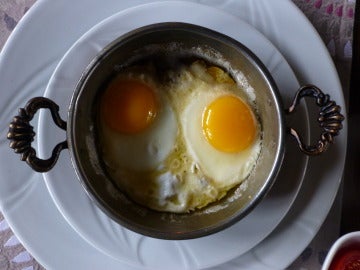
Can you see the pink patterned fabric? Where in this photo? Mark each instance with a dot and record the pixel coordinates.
(13, 255)
(334, 21)
(11, 11)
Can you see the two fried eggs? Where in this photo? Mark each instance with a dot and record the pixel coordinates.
(178, 141)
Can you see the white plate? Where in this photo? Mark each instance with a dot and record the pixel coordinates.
(27, 62)
(120, 243)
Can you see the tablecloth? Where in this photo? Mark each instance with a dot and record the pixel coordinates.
(334, 21)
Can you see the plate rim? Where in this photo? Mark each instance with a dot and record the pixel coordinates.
(116, 16)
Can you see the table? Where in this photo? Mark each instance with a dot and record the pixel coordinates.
(334, 20)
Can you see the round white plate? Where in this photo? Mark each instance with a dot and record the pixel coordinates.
(91, 223)
(27, 62)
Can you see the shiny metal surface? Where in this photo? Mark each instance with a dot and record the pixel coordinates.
(83, 144)
(21, 134)
(329, 119)
(169, 43)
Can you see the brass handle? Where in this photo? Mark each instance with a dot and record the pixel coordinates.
(21, 134)
(329, 119)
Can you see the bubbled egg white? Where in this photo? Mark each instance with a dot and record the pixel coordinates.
(171, 166)
(223, 169)
(143, 150)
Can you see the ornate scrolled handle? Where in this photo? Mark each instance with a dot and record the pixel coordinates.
(330, 119)
(21, 134)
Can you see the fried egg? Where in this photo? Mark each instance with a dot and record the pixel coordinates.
(178, 144)
(221, 132)
(138, 127)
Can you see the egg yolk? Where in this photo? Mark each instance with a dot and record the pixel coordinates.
(128, 106)
(229, 124)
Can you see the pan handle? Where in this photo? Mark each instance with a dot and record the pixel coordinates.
(21, 134)
(329, 119)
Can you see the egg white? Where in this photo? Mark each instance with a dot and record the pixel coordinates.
(147, 149)
(171, 166)
(224, 169)
(199, 173)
